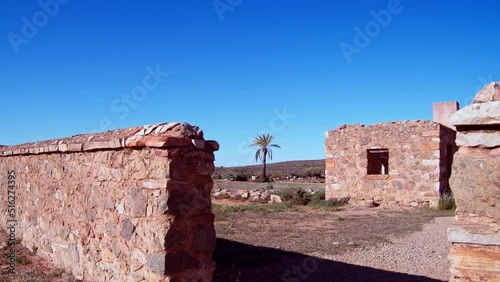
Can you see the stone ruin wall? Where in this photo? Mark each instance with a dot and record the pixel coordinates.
(417, 163)
(475, 182)
(124, 205)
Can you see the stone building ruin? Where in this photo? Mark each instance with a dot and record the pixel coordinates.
(405, 163)
(416, 163)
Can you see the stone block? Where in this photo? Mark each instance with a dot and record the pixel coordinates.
(198, 144)
(99, 145)
(155, 184)
(75, 147)
(474, 262)
(478, 139)
(463, 234)
(489, 93)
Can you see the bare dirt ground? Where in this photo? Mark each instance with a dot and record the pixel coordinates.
(303, 244)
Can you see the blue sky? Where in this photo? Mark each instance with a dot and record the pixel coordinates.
(236, 68)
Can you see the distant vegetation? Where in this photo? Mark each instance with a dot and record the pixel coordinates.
(280, 170)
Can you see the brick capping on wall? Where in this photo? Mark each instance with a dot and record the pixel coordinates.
(131, 204)
(161, 135)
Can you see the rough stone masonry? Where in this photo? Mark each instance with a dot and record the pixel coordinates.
(475, 182)
(416, 168)
(124, 205)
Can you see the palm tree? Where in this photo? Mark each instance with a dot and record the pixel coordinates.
(264, 142)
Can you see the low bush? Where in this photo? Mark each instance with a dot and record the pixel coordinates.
(447, 202)
(330, 205)
(318, 196)
(297, 196)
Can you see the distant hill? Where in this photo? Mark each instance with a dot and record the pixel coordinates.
(280, 169)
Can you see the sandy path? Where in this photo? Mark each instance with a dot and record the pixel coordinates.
(422, 253)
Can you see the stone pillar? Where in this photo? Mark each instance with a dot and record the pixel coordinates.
(442, 111)
(475, 182)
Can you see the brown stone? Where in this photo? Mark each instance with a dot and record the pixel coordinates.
(75, 147)
(127, 229)
(138, 201)
(478, 114)
(474, 262)
(198, 144)
(473, 185)
(213, 144)
(111, 144)
(330, 163)
(479, 139)
(156, 262)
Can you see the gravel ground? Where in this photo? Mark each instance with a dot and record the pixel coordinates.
(422, 253)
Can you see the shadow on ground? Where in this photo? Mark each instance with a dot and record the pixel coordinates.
(244, 263)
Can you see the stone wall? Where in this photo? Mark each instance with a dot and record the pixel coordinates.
(125, 205)
(475, 182)
(418, 169)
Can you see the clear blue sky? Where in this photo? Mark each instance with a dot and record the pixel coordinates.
(234, 66)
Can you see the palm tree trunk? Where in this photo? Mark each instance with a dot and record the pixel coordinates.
(264, 167)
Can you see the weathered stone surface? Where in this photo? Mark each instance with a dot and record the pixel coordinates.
(156, 262)
(442, 111)
(138, 202)
(275, 199)
(155, 184)
(478, 139)
(460, 234)
(477, 114)
(471, 262)
(490, 92)
(162, 135)
(111, 144)
(127, 229)
(198, 144)
(475, 181)
(213, 144)
(417, 157)
(102, 211)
